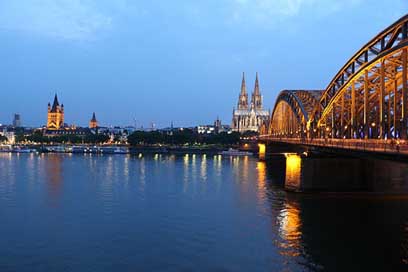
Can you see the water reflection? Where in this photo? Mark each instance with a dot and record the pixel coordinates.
(158, 208)
(203, 168)
(126, 169)
(142, 173)
(193, 167)
(289, 229)
(245, 169)
(261, 171)
(7, 176)
(338, 232)
(54, 172)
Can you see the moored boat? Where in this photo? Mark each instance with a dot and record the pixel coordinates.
(235, 152)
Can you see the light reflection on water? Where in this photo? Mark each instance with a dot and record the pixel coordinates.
(203, 167)
(54, 179)
(289, 229)
(188, 212)
(293, 171)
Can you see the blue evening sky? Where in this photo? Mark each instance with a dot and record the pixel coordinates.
(161, 61)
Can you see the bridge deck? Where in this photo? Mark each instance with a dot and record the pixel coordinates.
(365, 145)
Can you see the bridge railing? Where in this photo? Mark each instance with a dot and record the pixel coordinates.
(372, 145)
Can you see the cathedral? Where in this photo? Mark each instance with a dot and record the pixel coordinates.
(249, 117)
(55, 115)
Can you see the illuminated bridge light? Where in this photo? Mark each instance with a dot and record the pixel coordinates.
(293, 171)
(262, 150)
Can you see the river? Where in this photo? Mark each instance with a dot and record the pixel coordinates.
(64, 212)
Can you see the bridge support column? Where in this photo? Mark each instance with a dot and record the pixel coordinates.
(333, 124)
(388, 126)
(396, 100)
(366, 105)
(342, 117)
(353, 110)
(404, 95)
(381, 122)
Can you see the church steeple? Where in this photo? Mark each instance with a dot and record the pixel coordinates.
(93, 123)
(55, 117)
(55, 104)
(243, 96)
(256, 99)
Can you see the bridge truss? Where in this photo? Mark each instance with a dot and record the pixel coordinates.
(366, 99)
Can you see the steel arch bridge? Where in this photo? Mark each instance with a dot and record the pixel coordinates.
(366, 99)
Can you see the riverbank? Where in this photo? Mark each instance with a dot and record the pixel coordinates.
(121, 149)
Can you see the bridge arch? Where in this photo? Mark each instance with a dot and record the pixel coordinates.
(367, 98)
(291, 114)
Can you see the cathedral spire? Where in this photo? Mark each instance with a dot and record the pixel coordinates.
(256, 89)
(256, 98)
(243, 87)
(243, 96)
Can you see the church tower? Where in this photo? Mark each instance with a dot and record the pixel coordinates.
(55, 116)
(93, 123)
(256, 99)
(243, 96)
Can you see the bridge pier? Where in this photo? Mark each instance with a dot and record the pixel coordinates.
(336, 168)
(311, 170)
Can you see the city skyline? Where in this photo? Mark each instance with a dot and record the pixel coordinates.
(94, 57)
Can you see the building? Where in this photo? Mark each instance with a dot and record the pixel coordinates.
(218, 126)
(249, 117)
(67, 131)
(55, 123)
(93, 123)
(10, 135)
(205, 129)
(17, 120)
(55, 118)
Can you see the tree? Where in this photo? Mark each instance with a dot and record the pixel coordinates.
(96, 138)
(136, 138)
(37, 137)
(249, 133)
(222, 138)
(3, 139)
(185, 136)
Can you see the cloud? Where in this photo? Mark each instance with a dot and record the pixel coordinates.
(63, 19)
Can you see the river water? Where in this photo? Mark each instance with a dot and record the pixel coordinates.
(62, 212)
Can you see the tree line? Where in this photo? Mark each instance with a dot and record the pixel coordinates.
(175, 137)
(182, 137)
(38, 137)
